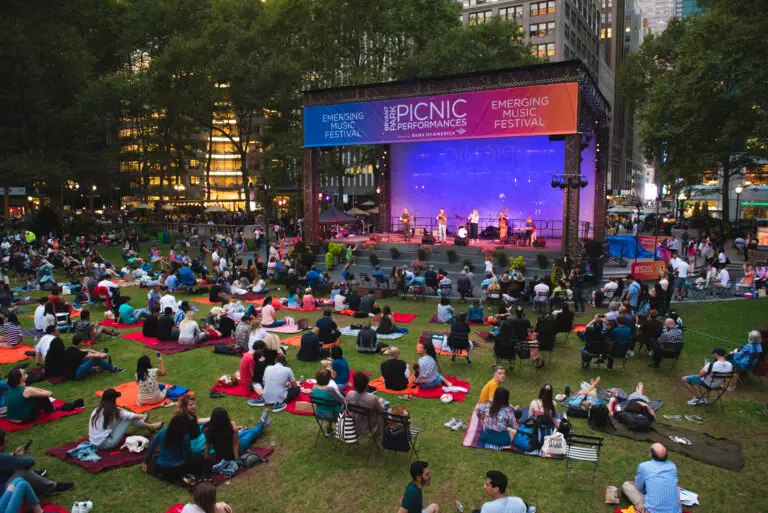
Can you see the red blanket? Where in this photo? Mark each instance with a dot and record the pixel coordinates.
(111, 323)
(10, 427)
(236, 391)
(172, 347)
(483, 335)
(109, 460)
(434, 320)
(431, 393)
(176, 508)
(401, 317)
(53, 508)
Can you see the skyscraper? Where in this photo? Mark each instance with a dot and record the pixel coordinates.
(658, 13)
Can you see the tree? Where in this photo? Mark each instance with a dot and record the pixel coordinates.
(699, 93)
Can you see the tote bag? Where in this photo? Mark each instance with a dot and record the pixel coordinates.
(345, 428)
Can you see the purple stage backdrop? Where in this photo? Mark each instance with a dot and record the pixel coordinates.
(489, 174)
(587, 195)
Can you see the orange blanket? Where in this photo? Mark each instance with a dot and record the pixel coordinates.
(296, 342)
(129, 393)
(15, 354)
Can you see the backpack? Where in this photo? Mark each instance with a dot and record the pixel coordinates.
(598, 417)
(635, 421)
(345, 428)
(545, 426)
(527, 437)
(565, 427)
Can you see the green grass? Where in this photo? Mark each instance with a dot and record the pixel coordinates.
(300, 478)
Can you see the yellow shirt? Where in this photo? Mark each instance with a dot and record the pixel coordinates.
(488, 390)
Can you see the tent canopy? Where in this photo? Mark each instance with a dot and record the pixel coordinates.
(357, 212)
(336, 216)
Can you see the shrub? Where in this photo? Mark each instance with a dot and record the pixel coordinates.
(517, 263)
(501, 258)
(333, 251)
(374, 259)
(418, 265)
(394, 252)
(422, 252)
(451, 255)
(468, 264)
(543, 260)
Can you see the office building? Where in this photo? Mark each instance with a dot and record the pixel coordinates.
(657, 13)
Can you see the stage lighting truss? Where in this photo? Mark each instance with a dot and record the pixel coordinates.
(565, 181)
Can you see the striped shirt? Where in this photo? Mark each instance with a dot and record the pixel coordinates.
(657, 480)
(11, 333)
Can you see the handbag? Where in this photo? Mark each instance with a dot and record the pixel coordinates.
(555, 444)
(345, 428)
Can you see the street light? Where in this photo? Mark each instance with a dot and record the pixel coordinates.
(681, 202)
(739, 189)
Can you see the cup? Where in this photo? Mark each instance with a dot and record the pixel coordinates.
(272, 442)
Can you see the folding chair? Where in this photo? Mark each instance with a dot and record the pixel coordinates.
(670, 351)
(366, 279)
(433, 284)
(721, 382)
(397, 430)
(505, 350)
(546, 342)
(459, 342)
(318, 402)
(359, 412)
(564, 323)
(540, 302)
(582, 448)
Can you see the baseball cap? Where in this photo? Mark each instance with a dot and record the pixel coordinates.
(719, 351)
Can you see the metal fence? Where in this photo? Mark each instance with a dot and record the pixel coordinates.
(546, 228)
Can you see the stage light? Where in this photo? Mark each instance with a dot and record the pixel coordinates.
(378, 190)
(327, 198)
(320, 195)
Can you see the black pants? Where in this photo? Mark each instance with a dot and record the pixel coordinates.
(196, 465)
(293, 393)
(333, 337)
(39, 405)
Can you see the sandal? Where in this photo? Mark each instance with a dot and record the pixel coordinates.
(694, 418)
(216, 395)
(673, 417)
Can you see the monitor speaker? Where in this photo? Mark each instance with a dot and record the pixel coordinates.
(427, 238)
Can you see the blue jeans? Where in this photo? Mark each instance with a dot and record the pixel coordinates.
(248, 436)
(21, 494)
(87, 365)
(275, 324)
(141, 313)
(432, 384)
(118, 432)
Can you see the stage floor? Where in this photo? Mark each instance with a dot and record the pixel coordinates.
(553, 245)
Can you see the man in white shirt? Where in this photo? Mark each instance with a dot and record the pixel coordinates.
(705, 376)
(41, 349)
(222, 265)
(722, 279)
(169, 301)
(40, 314)
(608, 291)
(339, 302)
(540, 293)
(280, 386)
(495, 488)
(682, 268)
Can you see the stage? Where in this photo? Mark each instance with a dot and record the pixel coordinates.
(484, 245)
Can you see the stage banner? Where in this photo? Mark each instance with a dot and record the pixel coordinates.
(648, 271)
(649, 242)
(533, 110)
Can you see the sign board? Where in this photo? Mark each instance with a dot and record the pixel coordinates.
(648, 242)
(530, 110)
(762, 237)
(14, 191)
(649, 271)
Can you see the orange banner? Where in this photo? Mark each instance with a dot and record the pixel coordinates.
(647, 270)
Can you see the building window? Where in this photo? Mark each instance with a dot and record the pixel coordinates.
(194, 180)
(511, 13)
(478, 17)
(542, 29)
(543, 50)
(473, 3)
(606, 33)
(542, 8)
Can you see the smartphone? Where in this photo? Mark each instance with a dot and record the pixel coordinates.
(158, 354)
(29, 444)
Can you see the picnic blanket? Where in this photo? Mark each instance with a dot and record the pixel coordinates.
(398, 317)
(130, 392)
(15, 354)
(296, 342)
(206, 301)
(441, 345)
(484, 335)
(475, 430)
(173, 347)
(579, 328)
(604, 395)
(434, 320)
(286, 328)
(176, 508)
(720, 452)
(425, 393)
(111, 323)
(219, 479)
(110, 458)
(10, 427)
(347, 331)
(49, 507)
(235, 391)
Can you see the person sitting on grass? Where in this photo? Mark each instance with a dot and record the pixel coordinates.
(189, 331)
(586, 397)
(108, 424)
(44, 344)
(328, 394)
(268, 315)
(149, 328)
(166, 330)
(444, 310)
(25, 404)
(10, 331)
(55, 365)
(395, 371)
(18, 464)
(146, 378)
(705, 376)
(19, 496)
(280, 386)
(339, 368)
(80, 362)
(271, 345)
(225, 440)
(655, 487)
(498, 419)
(543, 405)
(367, 306)
(175, 460)
(486, 394)
(328, 330)
(187, 407)
(496, 488)
(128, 315)
(387, 322)
(426, 369)
(475, 312)
(204, 501)
(367, 341)
(413, 498)
(637, 402)
(311, 349)
(90, 330)
(308, 300)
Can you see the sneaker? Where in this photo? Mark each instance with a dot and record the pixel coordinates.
(451, 422)
(693, 401)
(256, 402)
(694, 418)
(62, 487)
(189, 480)
(673, 417)
(267, 424)
(460, 425)
(279, 407)
(704, 400)
(78, 507)
(117, 370)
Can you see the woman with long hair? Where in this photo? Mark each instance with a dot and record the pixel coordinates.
(426, 369)
(268, 314)
(544, 405)
(146, 377)
(55, 361)
(498, 419)
(175, 459)
(189, 331)
(108, 423)
(187, 406)
(10, 331)
(223, 438)
(204, 501)
(272, 349)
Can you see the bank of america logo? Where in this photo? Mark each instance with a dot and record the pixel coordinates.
(460, 131)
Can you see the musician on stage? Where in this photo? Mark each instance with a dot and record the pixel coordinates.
(503, 226)
(473, 219)
(442, 226)
(530, 231)
(406, 220)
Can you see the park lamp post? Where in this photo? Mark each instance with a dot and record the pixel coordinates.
(738, 189)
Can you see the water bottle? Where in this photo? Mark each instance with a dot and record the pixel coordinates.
(459, 506)
(567, 391)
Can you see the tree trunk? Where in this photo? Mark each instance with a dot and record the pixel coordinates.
(246, 189)
(7, 198)
(208, 166)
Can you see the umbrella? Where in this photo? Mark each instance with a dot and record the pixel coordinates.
(335, 216)
(357, 212)
(168, 207)
(374, 210)
(215, 209)
(142, 206)
(368, 203)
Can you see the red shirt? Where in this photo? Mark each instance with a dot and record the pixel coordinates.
(247, 365)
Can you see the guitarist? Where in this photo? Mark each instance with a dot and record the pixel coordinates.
(405, 218)
(503, 226)
(442, 225)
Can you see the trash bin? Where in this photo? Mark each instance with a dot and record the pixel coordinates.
(159, 237)
(166, 238)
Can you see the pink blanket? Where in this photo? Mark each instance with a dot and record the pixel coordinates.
(401, 318)
(293, 328)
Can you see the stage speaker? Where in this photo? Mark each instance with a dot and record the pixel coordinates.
(593, 248)
(427, 238)
(459, 242)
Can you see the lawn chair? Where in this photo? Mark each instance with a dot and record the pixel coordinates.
(318, 402)
(564, 322)
(721, 382)
(505, 350)
(432, 284)
(582, 448)
(546, 343)
(399, 436)
(670, 351)
(459, 342)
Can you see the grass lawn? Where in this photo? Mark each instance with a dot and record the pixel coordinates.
(300, 478)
